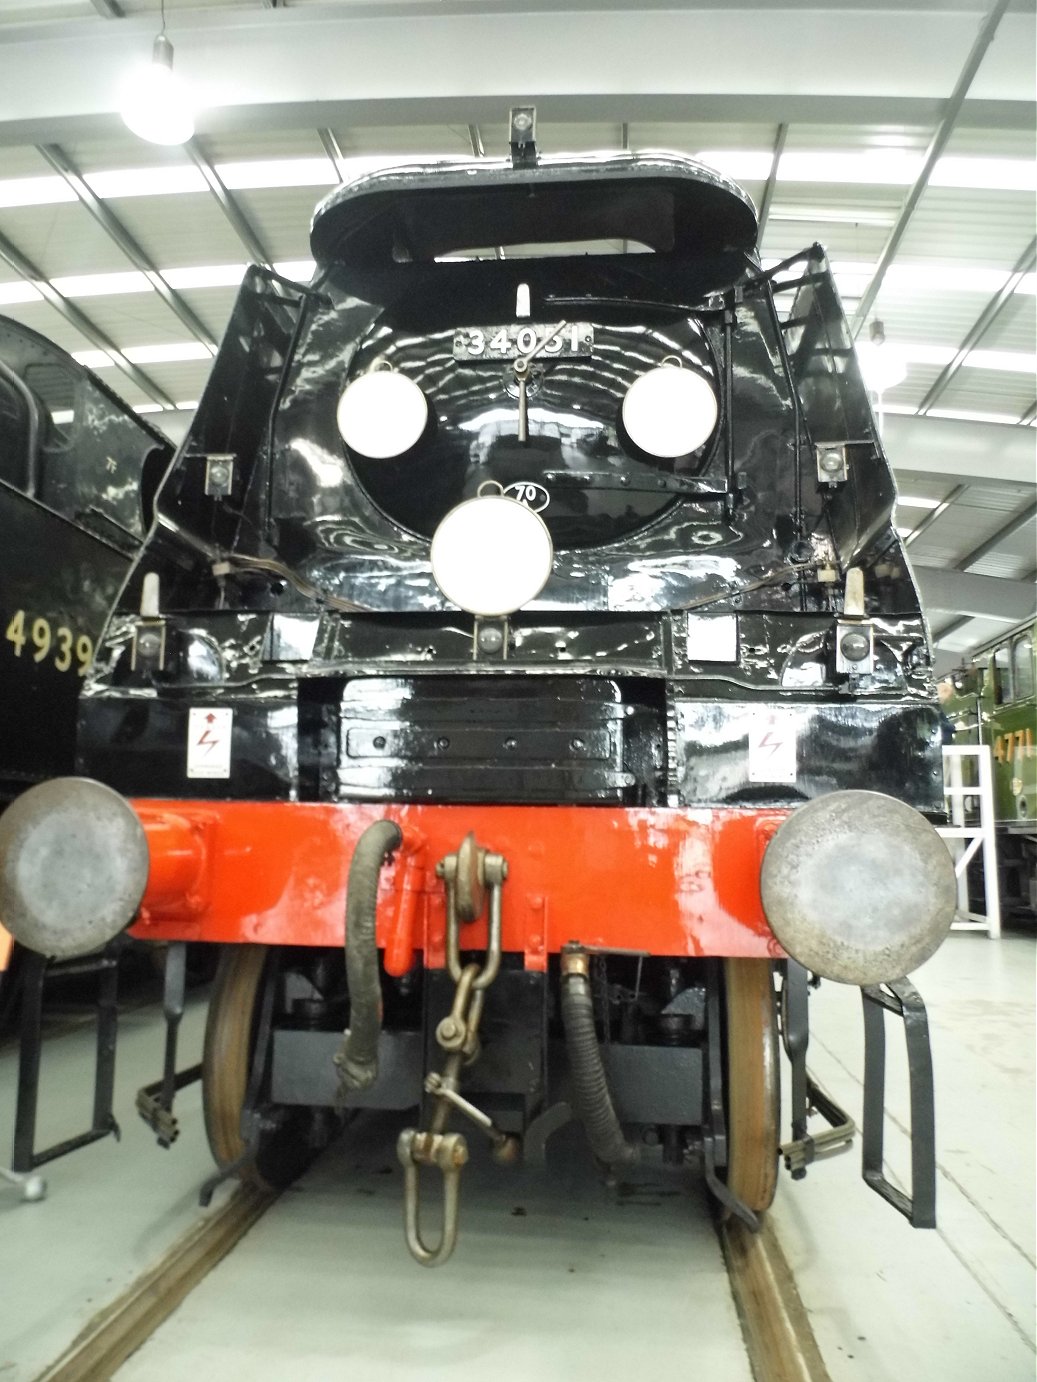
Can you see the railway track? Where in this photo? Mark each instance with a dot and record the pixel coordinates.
(778, 1335)
(129, 1321)
(776, 1330)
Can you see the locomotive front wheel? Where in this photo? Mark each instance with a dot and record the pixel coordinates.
(244, 973)
(753, 1088)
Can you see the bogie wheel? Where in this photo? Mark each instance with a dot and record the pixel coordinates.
(753, 1082)
(241, 982)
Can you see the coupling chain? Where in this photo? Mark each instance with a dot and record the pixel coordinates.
(473, 877)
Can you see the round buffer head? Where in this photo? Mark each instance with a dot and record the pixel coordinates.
(73, 866)
(858, 887)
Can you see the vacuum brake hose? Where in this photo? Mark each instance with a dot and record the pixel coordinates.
(590, 1086)
(357, 1057)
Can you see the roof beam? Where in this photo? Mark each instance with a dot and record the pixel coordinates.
(253, 69)
(1029, 415)
(934, 514)
(958, 451)
(118, 233)
(936, 147)
(26, 269)
(242, 226)
(977, 597)
(1019, 519)
(772, 178)
(333, 149)
(108, 9)
(981, 326)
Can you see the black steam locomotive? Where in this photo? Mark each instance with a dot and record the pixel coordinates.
(77, 466)
(524, 680)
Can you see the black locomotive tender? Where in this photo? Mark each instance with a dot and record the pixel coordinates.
(538, 558)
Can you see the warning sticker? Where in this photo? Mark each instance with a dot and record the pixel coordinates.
(772, 746)
(208, 742)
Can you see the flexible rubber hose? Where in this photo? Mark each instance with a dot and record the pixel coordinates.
(590, 1085)
(357, 1058)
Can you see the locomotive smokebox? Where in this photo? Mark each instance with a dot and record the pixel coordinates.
(73, 866)
(858, 887)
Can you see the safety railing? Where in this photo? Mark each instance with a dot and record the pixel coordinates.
(970, 836)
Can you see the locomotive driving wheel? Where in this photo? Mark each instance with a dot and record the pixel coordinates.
(243, 981)
(753, 1088)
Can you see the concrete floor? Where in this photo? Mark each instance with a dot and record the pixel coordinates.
(581, 1284)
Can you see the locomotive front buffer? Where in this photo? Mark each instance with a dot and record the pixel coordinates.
(518, 964)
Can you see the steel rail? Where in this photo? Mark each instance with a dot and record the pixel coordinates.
(779, 1338)
(123, 1326)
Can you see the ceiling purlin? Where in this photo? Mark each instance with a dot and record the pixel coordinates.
(333, 149)
(74, 315)
(931, 517)
(116, 231)
(936, 147)
(982, 325)
(958, 622)
(108, 9)
(1019, 518)
(242, 226)
(1029, 415)
(772, 179)
(479, 150)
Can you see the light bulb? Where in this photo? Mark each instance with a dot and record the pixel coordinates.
(882, 366)
(155, 104)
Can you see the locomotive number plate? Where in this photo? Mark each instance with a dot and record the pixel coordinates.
(571, 339)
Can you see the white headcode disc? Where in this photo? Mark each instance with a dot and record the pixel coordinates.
(491, 555)
(382, 414)
(669, 411)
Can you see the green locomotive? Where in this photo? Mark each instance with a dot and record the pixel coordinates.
(992, 700)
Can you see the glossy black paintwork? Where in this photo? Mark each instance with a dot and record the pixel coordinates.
(305, 598)
(74, 506)
(421, 211)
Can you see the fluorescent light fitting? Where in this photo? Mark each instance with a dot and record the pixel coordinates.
(986, 174)
(99, 285)
(205, 276)
(188, 406)
(277, 172)
(749, 165)
(155, 104)
(93, 359)
(300, 270)
(1013, 361)
(830, 215)
(168, 354)
(907, 501)
(971, 415)
(148, 408)
(35, 191)
(10, 293)
(145, 182)
(895, 167)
